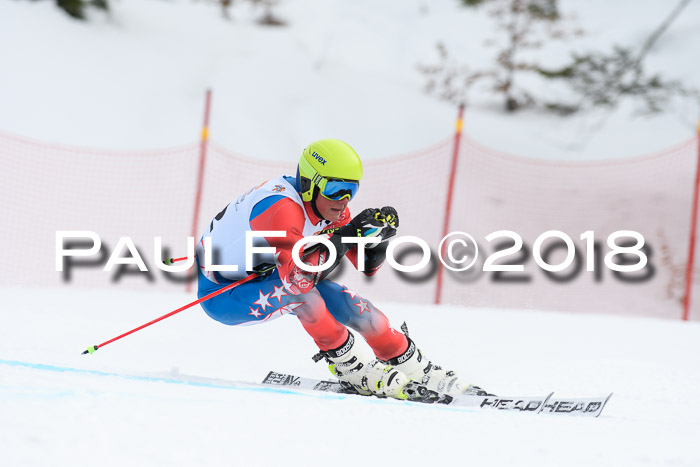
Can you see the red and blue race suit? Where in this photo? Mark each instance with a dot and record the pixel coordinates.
(324, 309)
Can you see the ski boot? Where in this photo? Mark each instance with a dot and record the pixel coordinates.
(418, 368)
(353, 365)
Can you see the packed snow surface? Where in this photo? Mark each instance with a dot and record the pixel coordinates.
(61, 408)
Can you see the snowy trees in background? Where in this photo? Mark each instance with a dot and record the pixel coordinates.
(522, 26)
(76, 8)
(267, 17)
(595, 78)
(603, 79)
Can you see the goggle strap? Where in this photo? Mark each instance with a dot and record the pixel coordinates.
(317, 180)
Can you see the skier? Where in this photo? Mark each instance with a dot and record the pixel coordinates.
(315, 203)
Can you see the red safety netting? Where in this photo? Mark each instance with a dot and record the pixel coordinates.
(46, 188)
(143, 194)
(651, 194)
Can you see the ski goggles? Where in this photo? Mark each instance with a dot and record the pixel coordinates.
(336, 190)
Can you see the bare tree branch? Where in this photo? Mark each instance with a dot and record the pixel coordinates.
(661, 29)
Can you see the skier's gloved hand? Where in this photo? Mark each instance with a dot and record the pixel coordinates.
(368, 223)
(376, 254)
(372, 222)
(391, 219)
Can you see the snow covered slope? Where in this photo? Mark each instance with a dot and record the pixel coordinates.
(50, 415)
(348, 69)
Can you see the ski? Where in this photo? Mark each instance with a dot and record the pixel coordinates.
(583, 406)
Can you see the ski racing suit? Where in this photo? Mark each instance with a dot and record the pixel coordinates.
(324, 309)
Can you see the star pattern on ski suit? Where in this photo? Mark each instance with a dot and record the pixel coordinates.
(278, 293)
(349, 292)
(263, 300)
(288, 308)
(364, 306)
(255, 312)
(286, 284)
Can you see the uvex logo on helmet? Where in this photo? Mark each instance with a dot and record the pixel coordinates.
(318, 158)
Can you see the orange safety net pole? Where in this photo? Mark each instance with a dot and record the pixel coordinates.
(691, 248)
(448, 204)
(200, 173)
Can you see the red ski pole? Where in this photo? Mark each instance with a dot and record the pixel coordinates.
(252, 276)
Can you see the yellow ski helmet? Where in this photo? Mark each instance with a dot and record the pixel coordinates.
(332, 166)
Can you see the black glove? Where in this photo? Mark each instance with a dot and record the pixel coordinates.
(368, 223)
(379, 223)
(371, 222)
(391, 219)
